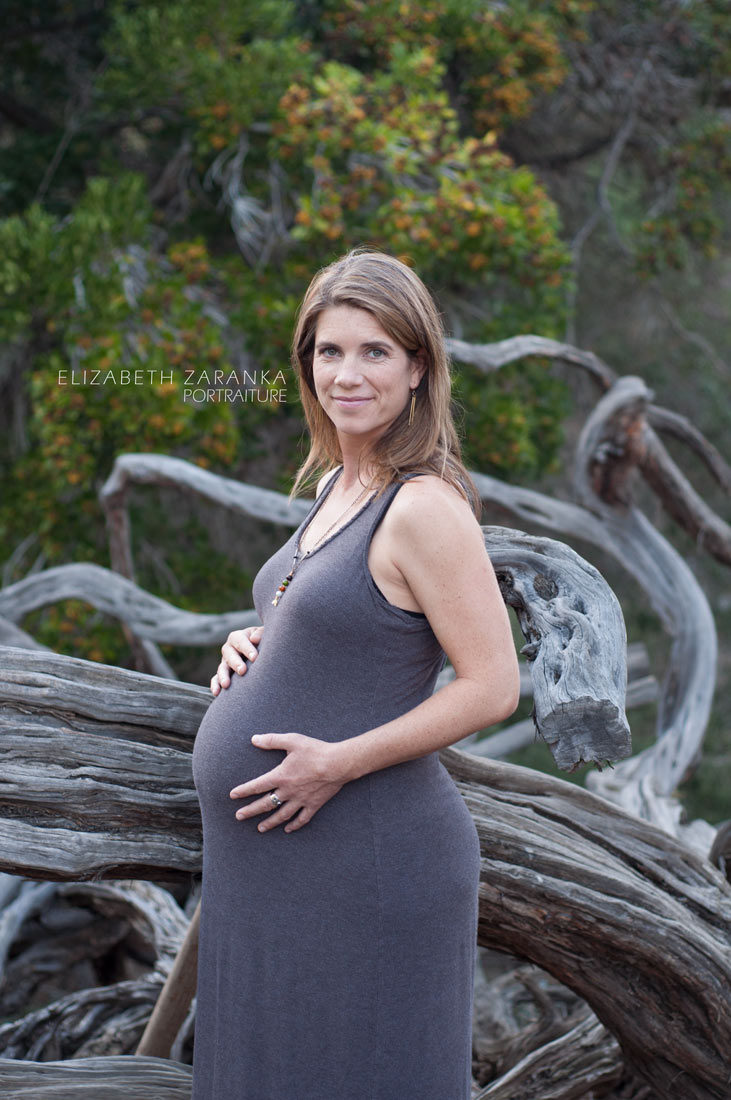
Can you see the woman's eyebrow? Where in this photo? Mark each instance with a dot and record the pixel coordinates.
(366, 344)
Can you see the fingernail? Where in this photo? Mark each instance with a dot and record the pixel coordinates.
(262, 828)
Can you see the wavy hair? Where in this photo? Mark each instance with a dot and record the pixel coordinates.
(398, 299)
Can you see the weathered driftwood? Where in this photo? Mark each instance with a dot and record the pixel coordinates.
(91, 820)
(576, 644)
(110, 1078)
(517, 1009)
(92, 917)
(490, 357)
(617, 910)
(679, 427)
(147, 615)
(605, 461)
(681, 605)
(651, 459)
(10, 634)
(122, 740)
(570, 1067)
(520, 734)
(167, 472)
(641, 688)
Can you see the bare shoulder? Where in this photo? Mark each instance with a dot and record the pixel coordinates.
(427, 504)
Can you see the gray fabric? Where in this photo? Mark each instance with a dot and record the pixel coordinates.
(336, 962)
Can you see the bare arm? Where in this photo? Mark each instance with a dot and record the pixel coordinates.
(436, 544)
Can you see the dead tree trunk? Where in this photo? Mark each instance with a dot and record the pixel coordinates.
(614, 908)
(633, 921)
(110, 1078)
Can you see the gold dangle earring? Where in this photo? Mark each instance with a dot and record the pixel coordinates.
(413, 406)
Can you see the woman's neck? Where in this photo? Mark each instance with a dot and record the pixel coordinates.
(357, 470)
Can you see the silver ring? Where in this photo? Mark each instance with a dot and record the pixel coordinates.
(276, 800)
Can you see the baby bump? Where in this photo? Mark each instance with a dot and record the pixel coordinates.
(223, 755)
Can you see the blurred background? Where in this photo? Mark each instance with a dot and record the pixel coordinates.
(172, 174)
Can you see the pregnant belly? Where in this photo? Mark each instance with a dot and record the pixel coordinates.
(223, 755)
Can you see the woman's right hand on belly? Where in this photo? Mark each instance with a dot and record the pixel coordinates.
(240, 643)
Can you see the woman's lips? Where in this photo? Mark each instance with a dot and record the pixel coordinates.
(351, 402)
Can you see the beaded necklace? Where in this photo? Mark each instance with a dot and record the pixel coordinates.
(300, 557)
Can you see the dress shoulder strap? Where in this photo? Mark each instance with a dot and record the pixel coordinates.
(383, 503)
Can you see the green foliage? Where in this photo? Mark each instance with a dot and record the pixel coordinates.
(515, 418)
(698, 171)
(501, 56)
(379, 159)
(219, 67)
(107, 330)
(148, 131)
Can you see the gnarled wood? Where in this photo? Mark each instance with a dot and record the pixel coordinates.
(104, 1019)
(615, 909)
(606, 452)
(490, 357)
(110, 749)
(674, 424)
(652, 460)
(10, 634)
(111, 1078)
(167, 472)
(515, 1012)
(56, 714)
(680, 603)
(148, 616)
(568, 616)
(585, 1058)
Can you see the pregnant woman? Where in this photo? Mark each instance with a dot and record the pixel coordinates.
(340, 867)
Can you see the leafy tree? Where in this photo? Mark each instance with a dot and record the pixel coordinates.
(178, 170)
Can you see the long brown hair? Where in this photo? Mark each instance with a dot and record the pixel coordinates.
(405, 309)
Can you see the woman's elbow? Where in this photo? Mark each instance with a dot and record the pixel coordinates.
(503, 698)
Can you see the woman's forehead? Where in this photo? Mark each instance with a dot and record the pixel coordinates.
(348, 320)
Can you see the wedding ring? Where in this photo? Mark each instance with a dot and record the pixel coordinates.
(276, 800)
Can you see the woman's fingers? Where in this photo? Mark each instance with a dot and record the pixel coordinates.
(274, 816)
(292, 814)
(239, 647)
(241, 642)
(232, 656)
(303, 782)
(262, 784)
(306, 814)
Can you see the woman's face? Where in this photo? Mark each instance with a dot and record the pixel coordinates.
(362, 376)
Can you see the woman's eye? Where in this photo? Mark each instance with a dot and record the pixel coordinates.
(376, 353)
(328, 353)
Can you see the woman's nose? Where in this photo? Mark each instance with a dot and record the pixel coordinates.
(349, 370)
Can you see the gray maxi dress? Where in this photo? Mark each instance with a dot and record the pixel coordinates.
(336, 962)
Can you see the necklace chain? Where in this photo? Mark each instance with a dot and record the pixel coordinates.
(299, 557)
